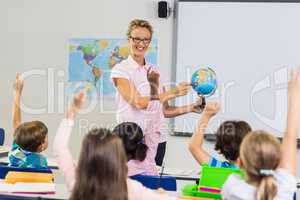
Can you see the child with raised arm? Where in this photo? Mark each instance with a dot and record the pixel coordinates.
(270, 166)
(101, 172)
(228, 139)
(30, 138)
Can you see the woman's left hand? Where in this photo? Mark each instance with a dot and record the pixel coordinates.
(198, 106)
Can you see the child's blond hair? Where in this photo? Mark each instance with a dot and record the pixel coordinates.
(260, 155)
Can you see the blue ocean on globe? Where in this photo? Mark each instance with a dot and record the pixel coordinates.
(204, 81)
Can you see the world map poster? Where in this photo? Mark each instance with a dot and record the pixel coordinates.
(91, 62)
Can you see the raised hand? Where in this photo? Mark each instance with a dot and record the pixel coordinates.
(289, 145)
(76, 104)
(16, 111)
(211, 109)
(78, 100)
(153, 78)
(294, 88)
(18, 84)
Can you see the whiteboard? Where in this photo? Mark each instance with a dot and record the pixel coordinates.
(251, 46)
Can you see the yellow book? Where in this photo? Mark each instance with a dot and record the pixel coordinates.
(28, 177)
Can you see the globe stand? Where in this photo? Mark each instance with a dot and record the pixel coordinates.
(200, 107)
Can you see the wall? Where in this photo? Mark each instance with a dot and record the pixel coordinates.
(34, 37)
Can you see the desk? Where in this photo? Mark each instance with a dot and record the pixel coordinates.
(193, 175)
(186, 175)
(4, 151)
(61, 194)
(178, 156)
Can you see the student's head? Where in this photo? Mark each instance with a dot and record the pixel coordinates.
(260, 154)
(139, 36)
(229, 137)
(133, 140)
(32, 136)
(102, 168)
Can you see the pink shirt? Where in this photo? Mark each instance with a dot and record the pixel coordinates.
(136, 191)
(137, 75)
(152, 138)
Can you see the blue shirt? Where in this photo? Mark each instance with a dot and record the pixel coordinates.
(216, 163)
(19, 157)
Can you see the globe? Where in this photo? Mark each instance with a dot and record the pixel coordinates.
(204, 81)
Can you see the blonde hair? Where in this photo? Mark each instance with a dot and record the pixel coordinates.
(261, 152)
(139, 23)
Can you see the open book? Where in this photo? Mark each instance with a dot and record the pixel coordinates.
(28, 188)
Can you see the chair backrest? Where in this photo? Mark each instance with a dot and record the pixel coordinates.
(4, 169)
(154, 182)
(2, 136)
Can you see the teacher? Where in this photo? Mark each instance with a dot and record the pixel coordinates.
(133, 89)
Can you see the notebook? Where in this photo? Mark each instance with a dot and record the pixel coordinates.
(28, 177)
(28, 188)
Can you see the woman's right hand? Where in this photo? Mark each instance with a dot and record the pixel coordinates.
(182, 88)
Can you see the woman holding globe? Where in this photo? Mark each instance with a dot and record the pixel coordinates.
(133, 89)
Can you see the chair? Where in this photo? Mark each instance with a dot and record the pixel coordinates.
(4, 169)
(2, 136)
(154, 182)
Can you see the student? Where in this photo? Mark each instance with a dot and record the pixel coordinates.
(141, 150)
(101, 170)
(141, 158)
(269, 165)
(229, 137)
(30, 138)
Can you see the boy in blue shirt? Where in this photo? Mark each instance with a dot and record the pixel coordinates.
(30, 138)
(228, 139)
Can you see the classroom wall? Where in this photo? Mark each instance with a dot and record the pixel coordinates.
(33, 41)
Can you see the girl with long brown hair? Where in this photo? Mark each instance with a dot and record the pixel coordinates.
(101, 172)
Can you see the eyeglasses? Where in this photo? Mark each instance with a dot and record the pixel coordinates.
(137, 40)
